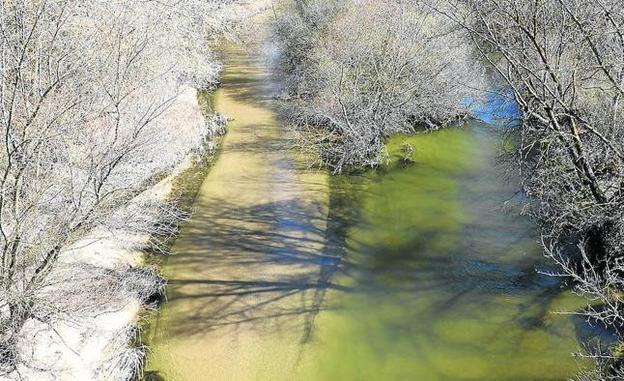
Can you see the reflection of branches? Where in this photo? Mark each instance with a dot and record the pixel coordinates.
(278, 245)
(235, 309)
(339, 220)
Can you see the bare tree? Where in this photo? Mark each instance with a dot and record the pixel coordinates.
(564, 62)
(360, 71)
(82, 87)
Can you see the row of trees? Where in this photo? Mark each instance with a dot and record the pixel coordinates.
(358, 76)
(83, 84)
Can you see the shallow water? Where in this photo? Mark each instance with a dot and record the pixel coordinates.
(411, 273)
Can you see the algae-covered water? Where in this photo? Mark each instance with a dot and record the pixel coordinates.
(440, 280)
(412, 272)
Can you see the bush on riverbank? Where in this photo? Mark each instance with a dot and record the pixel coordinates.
(360, 71)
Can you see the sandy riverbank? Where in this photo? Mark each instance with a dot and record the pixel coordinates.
(99, 344)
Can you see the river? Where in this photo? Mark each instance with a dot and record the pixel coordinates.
(412, 272)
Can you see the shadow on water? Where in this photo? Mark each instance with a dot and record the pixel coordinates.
(411, 252)
(253, 237)
(245, 79)
(442, 282)
(429, 244)
(411, 273)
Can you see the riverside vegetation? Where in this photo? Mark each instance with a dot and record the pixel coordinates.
(86, 98)
(96, 104)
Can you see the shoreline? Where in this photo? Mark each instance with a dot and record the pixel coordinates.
(104, 344)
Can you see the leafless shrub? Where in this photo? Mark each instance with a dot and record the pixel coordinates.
(604, 371)
(359, 71)
(126, 361)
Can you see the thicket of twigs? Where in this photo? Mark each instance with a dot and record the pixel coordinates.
(359, 71)
(83, 84)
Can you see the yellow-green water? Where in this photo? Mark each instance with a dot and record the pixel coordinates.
(408, 273)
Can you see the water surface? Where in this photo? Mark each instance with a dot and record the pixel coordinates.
(409, 273)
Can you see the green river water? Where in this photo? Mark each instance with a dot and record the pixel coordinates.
(406, 273)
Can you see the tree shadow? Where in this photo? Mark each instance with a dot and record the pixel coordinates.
(257, 86)
(265, 264)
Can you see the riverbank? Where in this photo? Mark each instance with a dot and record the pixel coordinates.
(99, 344)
